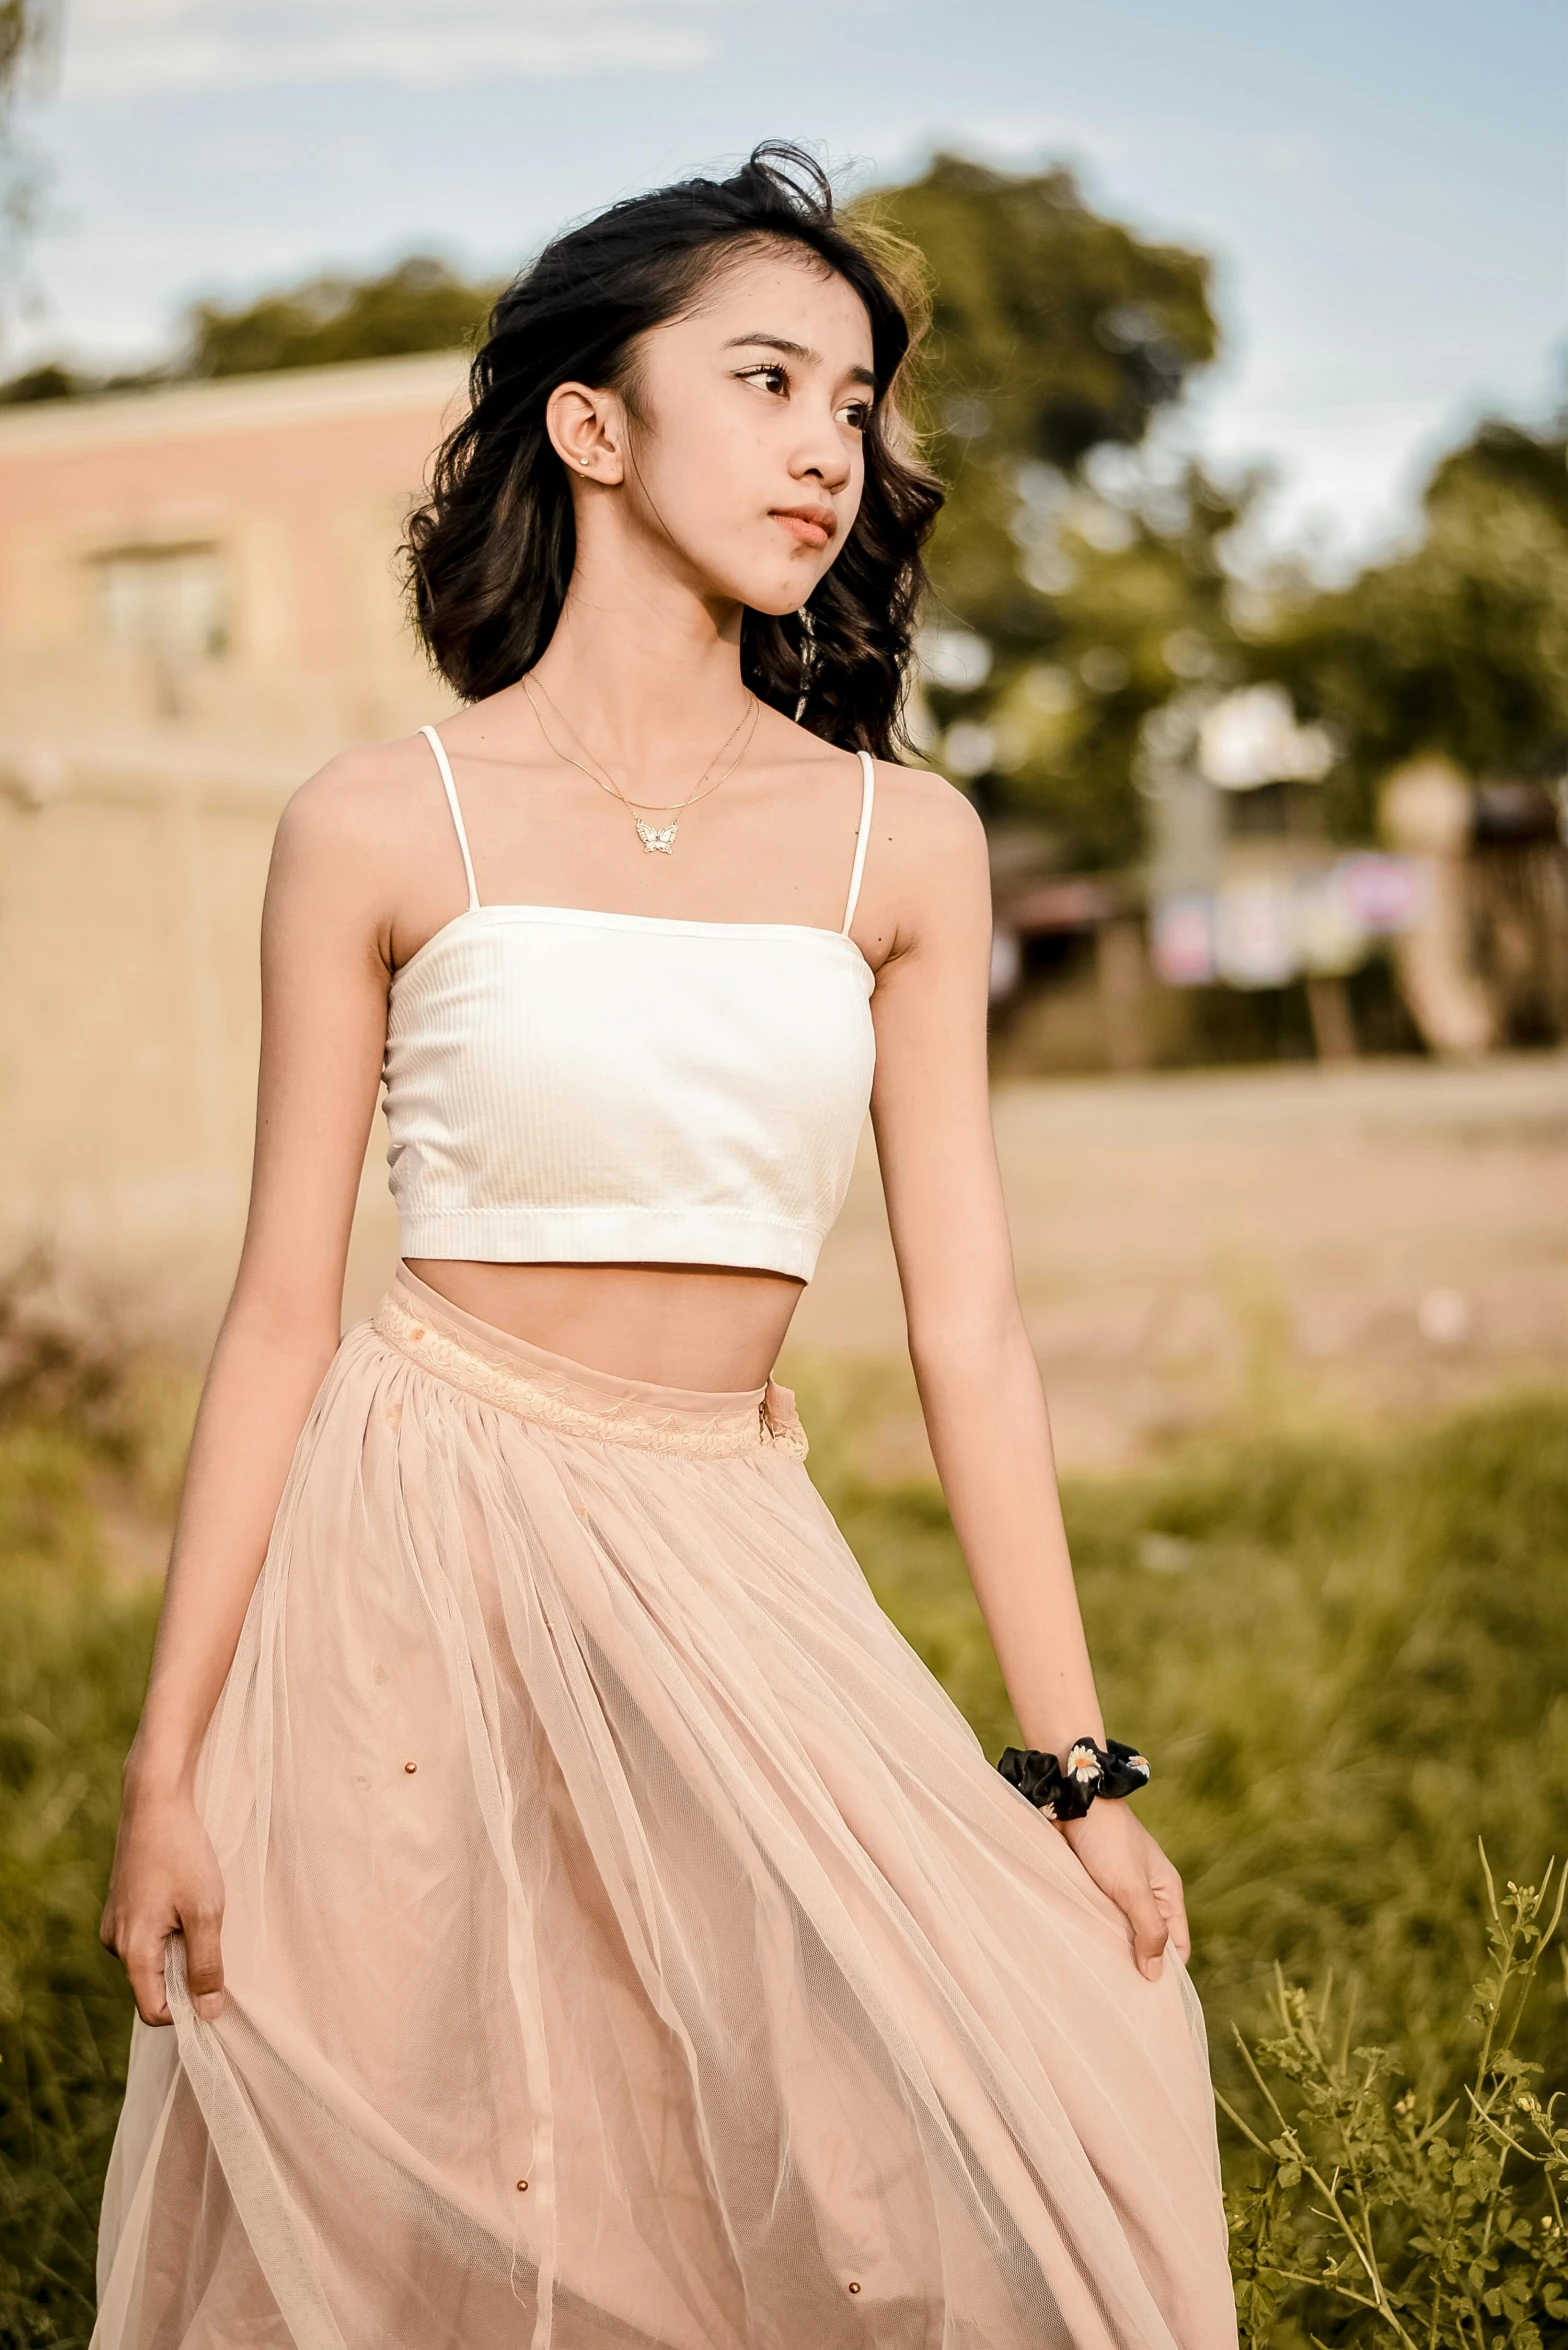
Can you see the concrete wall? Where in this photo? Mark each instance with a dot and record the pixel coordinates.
(129, 1017)
(139, 790)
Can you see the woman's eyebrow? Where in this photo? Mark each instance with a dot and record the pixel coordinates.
(801, 351)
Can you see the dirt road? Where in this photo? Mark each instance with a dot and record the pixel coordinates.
(1380, 1241)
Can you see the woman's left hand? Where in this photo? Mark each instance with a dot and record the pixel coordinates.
(1126, 1863)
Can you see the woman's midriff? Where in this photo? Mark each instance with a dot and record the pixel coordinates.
(692, 1326)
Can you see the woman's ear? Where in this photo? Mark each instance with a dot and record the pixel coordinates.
(586, 430)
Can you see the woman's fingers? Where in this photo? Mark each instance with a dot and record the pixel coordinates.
(143, 1960)
(1149, 1934)
(141, 1955)
(1120, 1854)
(204, 1960)
(143, 1952)
(1166, 1887)
(166, 1880)
(1126, 1863)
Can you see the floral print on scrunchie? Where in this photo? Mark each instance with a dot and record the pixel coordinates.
(1066, 1793)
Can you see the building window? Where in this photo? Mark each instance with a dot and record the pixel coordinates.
(169, 601)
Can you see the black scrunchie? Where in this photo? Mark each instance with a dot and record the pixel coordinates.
(1112, 1769)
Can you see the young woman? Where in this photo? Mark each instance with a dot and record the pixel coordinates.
(583, 1921)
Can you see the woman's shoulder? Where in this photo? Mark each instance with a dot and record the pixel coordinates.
(362, 784)
(351, 835)
(927, 871)
(926, 826)
(931, 807)
(369, 801)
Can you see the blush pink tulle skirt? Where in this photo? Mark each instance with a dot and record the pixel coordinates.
(628, 1944)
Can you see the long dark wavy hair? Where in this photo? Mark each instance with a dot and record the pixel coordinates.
(489, 555)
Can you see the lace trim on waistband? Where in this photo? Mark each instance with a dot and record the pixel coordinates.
(536, 1396)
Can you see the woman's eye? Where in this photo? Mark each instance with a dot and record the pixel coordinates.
(773, 376)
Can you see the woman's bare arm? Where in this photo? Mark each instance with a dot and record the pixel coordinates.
(979, 1384)
(324, 993)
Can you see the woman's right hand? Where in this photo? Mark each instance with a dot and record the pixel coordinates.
(165, 1880)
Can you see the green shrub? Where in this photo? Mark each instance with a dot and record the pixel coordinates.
(1428, 2214)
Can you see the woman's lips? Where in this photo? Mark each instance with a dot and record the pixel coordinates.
(812, 526)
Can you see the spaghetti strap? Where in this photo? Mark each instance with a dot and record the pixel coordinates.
(862, 837)
(445, 765)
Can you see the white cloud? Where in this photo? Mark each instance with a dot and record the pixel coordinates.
(138, 48)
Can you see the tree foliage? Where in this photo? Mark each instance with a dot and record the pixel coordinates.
(1459, 644)
(1086, 563)
(419, 305)
(25, 26)
(1052, 329)
(13, 36)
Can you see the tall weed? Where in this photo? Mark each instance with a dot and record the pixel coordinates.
(1427, 2213)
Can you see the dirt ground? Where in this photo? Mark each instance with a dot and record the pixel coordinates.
(1379, 1241)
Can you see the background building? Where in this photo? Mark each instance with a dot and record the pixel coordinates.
(198, 605)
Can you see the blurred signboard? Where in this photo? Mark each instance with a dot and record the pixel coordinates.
(1256, 931)
(1182, 939)
(1263, 929)
(1382, 893)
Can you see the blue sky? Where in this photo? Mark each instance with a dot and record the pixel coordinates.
(1382, 183)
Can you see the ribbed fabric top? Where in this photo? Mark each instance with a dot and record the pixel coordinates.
(568, 1086)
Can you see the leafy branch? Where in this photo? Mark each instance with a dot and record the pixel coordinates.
(1381, 2213)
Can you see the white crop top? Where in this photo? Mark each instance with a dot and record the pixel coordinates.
(565, 1086)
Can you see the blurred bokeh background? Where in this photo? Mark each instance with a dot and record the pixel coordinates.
(1249, 637)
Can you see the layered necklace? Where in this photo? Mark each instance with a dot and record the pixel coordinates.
(657, 839)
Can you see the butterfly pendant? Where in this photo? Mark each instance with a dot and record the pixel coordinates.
(657, 839)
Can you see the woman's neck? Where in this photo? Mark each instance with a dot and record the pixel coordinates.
(645, 662)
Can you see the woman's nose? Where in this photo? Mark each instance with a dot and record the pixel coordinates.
(822, 454)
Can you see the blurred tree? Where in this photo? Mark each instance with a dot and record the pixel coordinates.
(1077, 568)
(16, 20)
(50, 381)
(26, 27)
(1458, 645)
(419, 305)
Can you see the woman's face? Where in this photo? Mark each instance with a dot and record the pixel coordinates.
(744, 456)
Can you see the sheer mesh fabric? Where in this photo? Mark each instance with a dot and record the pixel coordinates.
(701, 1986)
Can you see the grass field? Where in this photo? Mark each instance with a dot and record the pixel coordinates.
(1345, 1655)
(73, 1655)
(1347, 1660)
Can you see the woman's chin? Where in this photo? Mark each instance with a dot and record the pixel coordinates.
(777, 596)
(771, 585)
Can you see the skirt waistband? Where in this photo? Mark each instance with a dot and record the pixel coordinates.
(574, 1399)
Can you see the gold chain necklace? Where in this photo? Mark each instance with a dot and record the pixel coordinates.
(657, 839)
